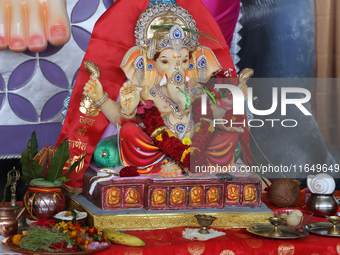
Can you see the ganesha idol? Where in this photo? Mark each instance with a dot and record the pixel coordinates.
(157, 110)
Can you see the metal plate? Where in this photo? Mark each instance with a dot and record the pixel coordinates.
(288, 232)
(321, 228)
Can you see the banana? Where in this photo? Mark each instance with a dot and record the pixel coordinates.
(121, 238)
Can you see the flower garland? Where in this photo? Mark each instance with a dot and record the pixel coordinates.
(173, 147)
(168, 144)
(202, 136)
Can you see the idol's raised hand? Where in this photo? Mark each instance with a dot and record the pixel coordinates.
(129, 97)
(93, 89)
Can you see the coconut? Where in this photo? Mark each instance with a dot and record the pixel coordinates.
(284, 192)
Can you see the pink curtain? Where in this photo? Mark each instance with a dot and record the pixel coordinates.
(225, 12)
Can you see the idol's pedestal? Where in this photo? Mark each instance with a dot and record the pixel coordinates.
(148, 202)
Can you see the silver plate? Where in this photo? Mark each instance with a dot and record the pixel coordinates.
(321, 228)
(288, 232)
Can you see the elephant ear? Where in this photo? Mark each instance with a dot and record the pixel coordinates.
(130, 71)
(212, 63)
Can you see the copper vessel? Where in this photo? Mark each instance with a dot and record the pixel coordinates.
(8, 221)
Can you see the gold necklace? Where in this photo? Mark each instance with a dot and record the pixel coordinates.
(178, 128)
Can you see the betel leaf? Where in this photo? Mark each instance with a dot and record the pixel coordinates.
(61, 155)
(60, 181)
(74, 165)
(5, 191)
(30, 168)
(33, 144)
(40, 182)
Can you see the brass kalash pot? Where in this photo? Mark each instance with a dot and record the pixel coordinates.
(13, 176)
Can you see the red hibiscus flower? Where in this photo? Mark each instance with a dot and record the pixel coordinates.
(129, 171)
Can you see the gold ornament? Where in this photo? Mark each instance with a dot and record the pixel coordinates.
(113, 196)
(159, 197)
(249, 193)
(132, 197)
(233, 193)
(177, 196)
(195, 196)
(213, 195)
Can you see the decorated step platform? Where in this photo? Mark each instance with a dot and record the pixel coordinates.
(163, 193)
(151, 202)
(142, 219)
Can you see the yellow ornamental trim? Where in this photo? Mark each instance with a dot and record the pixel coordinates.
(186, 141)
(159, 138)
(211, 129)
(193, 149)
(184, 154)
(197, 129)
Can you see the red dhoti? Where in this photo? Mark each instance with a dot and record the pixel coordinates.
(138, 149)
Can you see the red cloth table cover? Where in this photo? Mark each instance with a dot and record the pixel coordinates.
(236, 241)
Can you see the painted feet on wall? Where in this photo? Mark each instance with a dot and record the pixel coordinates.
(30, 24)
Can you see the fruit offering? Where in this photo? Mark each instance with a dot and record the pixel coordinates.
(121, 238)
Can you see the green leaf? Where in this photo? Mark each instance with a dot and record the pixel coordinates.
(61, 155)
(33, 144)
(64, 179)
(30, 168)
(75, 164)
(40, 182)
(5, 191)
(60, 181)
